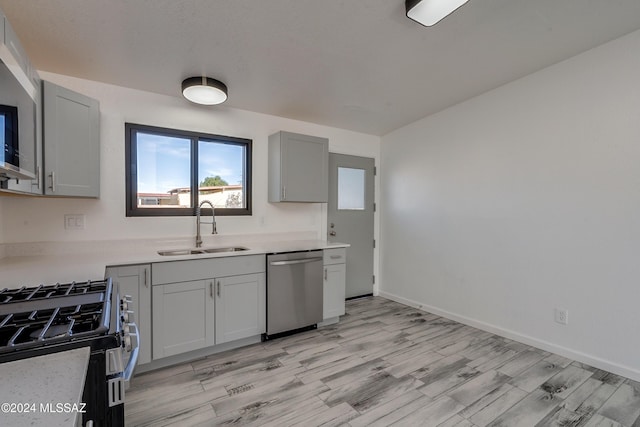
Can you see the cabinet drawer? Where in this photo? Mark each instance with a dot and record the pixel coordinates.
(335, 256)
(200, 269)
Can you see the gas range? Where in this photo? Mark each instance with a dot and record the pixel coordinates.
(40, 320)
(44, 315)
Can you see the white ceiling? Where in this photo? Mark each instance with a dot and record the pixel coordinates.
(359, 65)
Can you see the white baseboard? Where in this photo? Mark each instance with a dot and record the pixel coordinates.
(596, 362)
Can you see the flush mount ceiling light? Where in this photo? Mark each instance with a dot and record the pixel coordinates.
(430, 12)
(204, 90)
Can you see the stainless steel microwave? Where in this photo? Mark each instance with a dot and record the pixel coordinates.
(17, 126)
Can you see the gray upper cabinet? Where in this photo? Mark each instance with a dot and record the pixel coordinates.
(71, 143)
(12, 43)
(31, 144)
(298, 168)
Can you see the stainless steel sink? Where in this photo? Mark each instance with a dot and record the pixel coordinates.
(182, 252)
(229, 249)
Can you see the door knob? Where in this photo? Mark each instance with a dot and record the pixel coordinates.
(332, 233)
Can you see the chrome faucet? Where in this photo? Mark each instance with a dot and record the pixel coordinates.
(198, 222)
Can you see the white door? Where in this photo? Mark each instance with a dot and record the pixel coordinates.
(350, 217)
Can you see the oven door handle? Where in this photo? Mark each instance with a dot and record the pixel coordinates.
(133, 358)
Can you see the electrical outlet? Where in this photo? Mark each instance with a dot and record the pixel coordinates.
(562, 316)
(74, 222)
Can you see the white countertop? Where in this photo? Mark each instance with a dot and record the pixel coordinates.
(48, 386)
(85, 263)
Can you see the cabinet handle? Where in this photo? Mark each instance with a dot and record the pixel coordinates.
(284, 193)
(146, 283)
(211, 289)
(325, 274)
(53, 181)
(218, 285)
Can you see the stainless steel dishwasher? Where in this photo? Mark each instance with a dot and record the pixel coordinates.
(294, 292)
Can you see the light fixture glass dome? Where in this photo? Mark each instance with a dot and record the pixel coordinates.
(204, 90)
(430, 12)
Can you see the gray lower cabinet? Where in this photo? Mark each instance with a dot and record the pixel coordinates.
(240, 307)
(334, 283)
(183, 315)
(135, 280)
(71, 143)
(298, 168)
(200, 303)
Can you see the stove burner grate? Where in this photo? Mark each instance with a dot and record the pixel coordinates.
(42, 315)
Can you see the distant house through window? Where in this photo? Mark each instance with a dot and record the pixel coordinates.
(169, 172)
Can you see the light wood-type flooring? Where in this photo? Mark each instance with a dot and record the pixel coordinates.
(384, 364)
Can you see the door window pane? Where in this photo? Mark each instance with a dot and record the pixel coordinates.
(351, 189)
(164, 171)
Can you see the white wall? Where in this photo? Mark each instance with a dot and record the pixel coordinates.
(524, 199)
(42, 219)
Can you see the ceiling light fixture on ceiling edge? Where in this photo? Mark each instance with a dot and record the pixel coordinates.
(430, 12)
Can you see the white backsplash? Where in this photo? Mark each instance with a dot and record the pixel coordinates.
(106, 246)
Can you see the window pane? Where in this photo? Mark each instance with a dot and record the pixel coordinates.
(164, 171)
(221, 175)
(351, 189)
(170, 171)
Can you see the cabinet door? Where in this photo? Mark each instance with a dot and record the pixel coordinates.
(304, 168)
(240, 307)
(334, 291)
(298, 168)
(183, 317)
(134, 280)
(71, 143)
